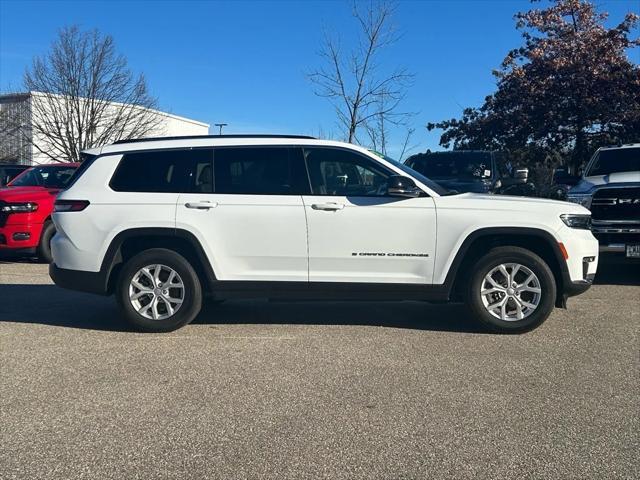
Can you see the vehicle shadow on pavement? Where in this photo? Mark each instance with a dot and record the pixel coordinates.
(7, 260)
(409, 315)
(54, 306)
(51, 305)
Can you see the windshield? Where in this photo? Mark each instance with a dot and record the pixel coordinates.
(44, 176)
(417, 175)
(615, 160)
(468, 165)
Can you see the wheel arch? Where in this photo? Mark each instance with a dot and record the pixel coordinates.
(130, 242)
(538, 241)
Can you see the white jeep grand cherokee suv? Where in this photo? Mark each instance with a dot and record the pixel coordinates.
(161, 222)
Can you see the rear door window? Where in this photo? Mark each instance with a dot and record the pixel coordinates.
(165, 171)
(260, 171)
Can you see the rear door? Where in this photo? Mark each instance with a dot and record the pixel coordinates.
(247, 210)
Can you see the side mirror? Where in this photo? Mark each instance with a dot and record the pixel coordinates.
(521, 175)
(401, 186)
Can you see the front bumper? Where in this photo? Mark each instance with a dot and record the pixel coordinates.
(571, 289)
(20, 236)
(614, 237)
(576, 288)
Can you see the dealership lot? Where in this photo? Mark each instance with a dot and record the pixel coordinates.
(256, 389)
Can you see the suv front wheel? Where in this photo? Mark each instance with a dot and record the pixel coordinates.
(511, 290)
(159, 291)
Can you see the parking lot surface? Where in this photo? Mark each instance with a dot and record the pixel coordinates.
(255, 389)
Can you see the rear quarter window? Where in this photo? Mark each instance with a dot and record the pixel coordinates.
(166, 171)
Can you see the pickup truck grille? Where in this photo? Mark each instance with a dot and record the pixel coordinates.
(620, 204)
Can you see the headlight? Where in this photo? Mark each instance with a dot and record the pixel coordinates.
(583, 199)
(576, 221)
(19, 207)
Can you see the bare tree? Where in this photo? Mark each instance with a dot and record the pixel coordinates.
(363, 95)
(379, 130)
(85, 95)
(407, 147)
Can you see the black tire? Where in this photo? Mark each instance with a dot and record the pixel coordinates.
(44, 245)
(192, 295)
(503, 255)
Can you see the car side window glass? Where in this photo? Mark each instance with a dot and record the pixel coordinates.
(500, 161)
(165, 171)
(339, 172)
(202, 176)
(260, 171)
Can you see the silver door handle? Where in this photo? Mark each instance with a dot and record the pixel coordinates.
(201, 205)
(332, 207)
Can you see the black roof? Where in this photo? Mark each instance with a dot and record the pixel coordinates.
(196, 137)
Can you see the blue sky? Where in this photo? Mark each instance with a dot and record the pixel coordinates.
(244, 63)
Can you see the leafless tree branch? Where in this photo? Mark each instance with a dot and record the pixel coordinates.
(353, 82)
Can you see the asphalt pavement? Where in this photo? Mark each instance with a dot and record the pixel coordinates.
(256, 389)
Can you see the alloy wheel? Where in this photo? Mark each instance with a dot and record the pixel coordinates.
(156, 292)
(511, 292)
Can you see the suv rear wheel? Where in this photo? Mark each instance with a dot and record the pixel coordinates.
(511, 290)
(159, 291)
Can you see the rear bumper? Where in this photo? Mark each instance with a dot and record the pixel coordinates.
(89, 282)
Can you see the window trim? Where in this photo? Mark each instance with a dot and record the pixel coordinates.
(213, 148)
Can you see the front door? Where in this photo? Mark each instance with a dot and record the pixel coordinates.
(359, 234)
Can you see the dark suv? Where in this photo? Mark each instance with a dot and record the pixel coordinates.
(476, 171)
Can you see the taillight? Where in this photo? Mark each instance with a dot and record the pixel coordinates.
(70, 205)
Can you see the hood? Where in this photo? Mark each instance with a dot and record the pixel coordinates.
(473, 211)
(589, 183)
(486, 202)
(26, 194)
(462, 186)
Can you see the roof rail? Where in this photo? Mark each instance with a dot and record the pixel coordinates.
(196, 137)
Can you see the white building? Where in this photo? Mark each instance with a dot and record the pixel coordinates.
(19, 143)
